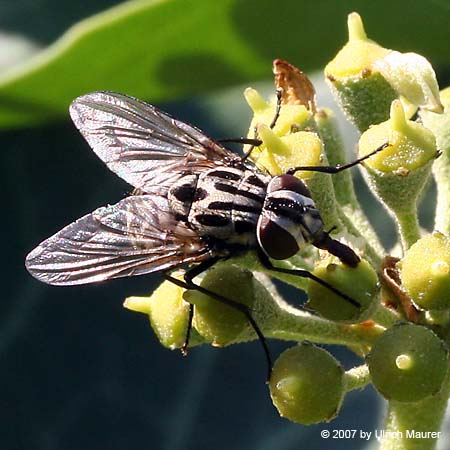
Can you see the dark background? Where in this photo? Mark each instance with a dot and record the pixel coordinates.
(78, 371)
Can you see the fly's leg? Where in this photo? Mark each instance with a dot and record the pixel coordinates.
(242, 140)
(272, 124)
(184, 347)
(255, 142)
(188, 283)
(188, 277)
(338, 168)
(278, 108)
(305, 274)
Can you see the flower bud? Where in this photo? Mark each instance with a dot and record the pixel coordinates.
(167, 311)
(358, 54)
(359, 283)
(366, 78)
(398, 173)
(411, 145)
(286, 146)
(282, 153)
(425, 272)
(408, 363)
(364, 94)
(306, 385)
(412, 77)
(216, 321)
(291, 115)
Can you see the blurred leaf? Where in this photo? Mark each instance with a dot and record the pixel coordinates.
(164, 49)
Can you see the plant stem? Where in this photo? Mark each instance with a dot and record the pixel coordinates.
(292, 324)
(422, 417)
(384, 316)
(349, 209)
(356, 378)
(357, 224)
(408, 224)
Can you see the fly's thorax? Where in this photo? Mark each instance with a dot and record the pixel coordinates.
(289, 218)
(224, 202)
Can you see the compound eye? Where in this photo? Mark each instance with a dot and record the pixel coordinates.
(275, 241)
(289, 183)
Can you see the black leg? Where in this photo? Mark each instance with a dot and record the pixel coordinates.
(244, 309)
(272, 124)
(278, 108)
(242, 140)
(305, 274)
(338, 168)
(249, 151)
(189, 276)
(184, 347)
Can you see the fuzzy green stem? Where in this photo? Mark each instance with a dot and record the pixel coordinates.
(408, 224)
(250, 261)
(349, 210)
(356, 378)
(292, 324)
(384, 316)
(441, 173)
(357, 224)
(322, 190)
(424, 417)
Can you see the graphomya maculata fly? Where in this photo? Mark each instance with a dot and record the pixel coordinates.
(197, 203)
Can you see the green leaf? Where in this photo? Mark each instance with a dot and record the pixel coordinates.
(162, 50)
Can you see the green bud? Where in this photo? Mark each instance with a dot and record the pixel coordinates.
(359, 283)
(408, 363)
(286, 146)
(280, 154)
(358, 54)
(366, 78)
(217, 322)
(413, 78)
(425, 272)
(411, 145)
(167, 311)
(291, 115)
(306, 385)
(398, 173)
(364, 94)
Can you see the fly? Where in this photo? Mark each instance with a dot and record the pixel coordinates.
(197, 202)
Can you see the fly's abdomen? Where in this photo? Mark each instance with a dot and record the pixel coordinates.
(182, 194)
(232, 204)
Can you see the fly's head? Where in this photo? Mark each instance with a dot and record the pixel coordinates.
(289, 218)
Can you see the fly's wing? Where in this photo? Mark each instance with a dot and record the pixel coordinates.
(138, 235)
(143, 145)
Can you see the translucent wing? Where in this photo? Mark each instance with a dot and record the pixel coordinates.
(143, 145)
(138, 235)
